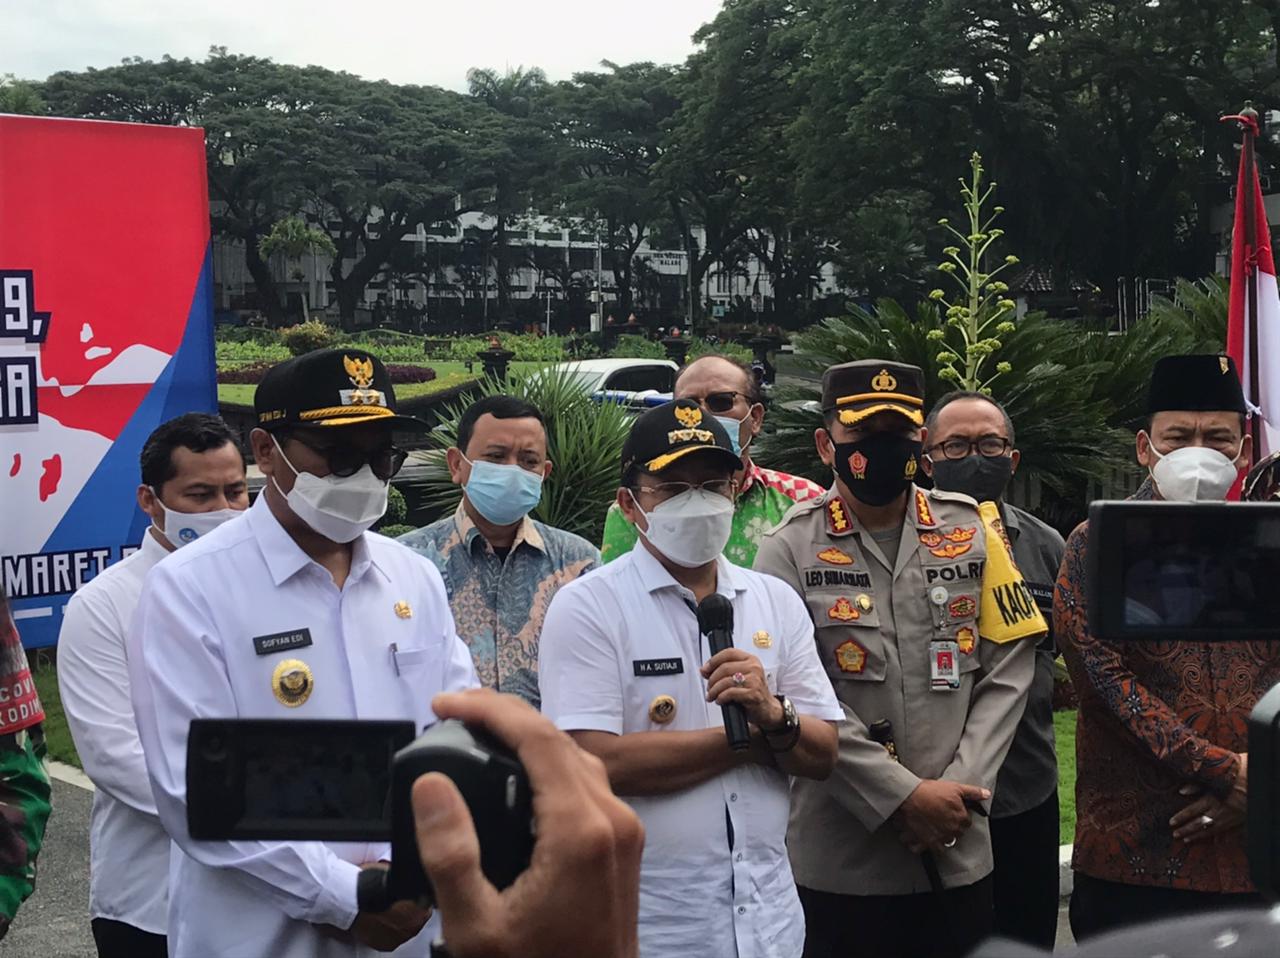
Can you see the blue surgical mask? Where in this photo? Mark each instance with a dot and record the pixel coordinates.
(504, 494)
(734, 428)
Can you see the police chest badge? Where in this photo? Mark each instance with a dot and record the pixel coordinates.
(762, 639)
(843, 611)
(835, 556)
(966, 640)
(292, 682)
(851, 657)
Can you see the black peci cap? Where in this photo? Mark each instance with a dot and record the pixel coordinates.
(672, 431)
(328, 388)
(863, 388)
(1205, 383)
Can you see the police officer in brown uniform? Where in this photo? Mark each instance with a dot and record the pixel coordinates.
(922, 622)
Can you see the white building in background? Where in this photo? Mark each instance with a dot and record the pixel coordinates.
(576, 253)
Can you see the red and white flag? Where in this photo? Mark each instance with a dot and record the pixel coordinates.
(1255, 303)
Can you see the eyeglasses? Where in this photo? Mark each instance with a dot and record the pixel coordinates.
(720, 401)
(989, 446)
(669, 490)
(344, 461)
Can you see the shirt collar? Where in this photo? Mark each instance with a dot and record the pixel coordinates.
(1012, 524)
(285, 558)
(729, 578)
(467, 531)
(753, 477)
(151, 547)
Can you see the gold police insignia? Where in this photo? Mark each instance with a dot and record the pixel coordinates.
(835, 513)
(884, 383)
(960, 534)
(962, 607)
(688, 416)
(864, 602)
(851, 657)
(835, 556)
(949, 550)
(910, 472)
(966, 640)
(762, 639)
(843, 611)
(403, 610)
(292, 682)
(923, 515)
(930, 539)
(662, 710)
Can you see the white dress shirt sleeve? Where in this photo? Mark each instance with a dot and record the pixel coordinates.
(178, 673)
(578, 669)
(802, 678)
(93, 681)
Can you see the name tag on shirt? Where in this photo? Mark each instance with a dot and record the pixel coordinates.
(282, 641)
(1043, 594)
(647, 667)
(944, 666)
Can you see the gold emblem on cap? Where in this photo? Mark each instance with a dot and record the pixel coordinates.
(292, 682)
(404, 610)
(762, 639)
(662, 709)
(689, 416)
(883, 382)
(360, 371)
(1222, 361)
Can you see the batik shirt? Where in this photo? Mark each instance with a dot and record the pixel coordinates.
(24, 783)
(764, 499)
(1154, 716)
(498, 604)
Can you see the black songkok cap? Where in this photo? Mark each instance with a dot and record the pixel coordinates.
(1195, 383)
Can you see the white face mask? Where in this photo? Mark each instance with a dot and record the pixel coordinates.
(1193, 474)
(184, 528)
(340, 509)
(690, 529)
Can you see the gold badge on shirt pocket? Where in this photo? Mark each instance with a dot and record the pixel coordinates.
(292, 682)
(762, 639)
(662, 710)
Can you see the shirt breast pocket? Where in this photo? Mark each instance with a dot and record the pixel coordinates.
(414, 661)
(848, 636)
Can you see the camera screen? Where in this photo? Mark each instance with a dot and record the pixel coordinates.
(1191, 571)
(328, 780)
(345, 777)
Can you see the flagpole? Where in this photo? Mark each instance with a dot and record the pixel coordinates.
(1251, 228)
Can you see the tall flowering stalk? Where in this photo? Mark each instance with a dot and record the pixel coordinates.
(983, 312)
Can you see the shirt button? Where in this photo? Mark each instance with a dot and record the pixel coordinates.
(733, 797)
(742, 909)
(739, 858)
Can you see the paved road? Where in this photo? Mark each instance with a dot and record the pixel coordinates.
(54, 922)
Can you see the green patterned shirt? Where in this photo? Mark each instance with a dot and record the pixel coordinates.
(765, 498)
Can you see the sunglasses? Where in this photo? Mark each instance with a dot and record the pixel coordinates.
(345, 461)
(721, 401)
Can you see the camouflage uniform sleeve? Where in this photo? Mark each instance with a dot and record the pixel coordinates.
(619, 535)
(24, 811)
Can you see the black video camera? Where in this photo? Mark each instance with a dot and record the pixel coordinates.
(336, 780)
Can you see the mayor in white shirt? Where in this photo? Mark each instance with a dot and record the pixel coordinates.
(625, 670)
(193, 480)
(293, 610)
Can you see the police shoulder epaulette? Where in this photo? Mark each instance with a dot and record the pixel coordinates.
(946, 495)
(796, 509)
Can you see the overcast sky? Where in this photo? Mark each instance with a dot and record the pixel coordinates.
(406, 41)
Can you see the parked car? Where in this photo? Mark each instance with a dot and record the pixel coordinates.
(635, 382)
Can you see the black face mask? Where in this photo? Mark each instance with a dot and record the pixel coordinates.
(877, 468)
(982, 477)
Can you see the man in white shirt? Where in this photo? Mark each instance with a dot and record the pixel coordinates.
(626, 672)
(193, 479)
(293, 610)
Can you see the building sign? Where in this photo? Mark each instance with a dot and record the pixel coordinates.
(105, 332)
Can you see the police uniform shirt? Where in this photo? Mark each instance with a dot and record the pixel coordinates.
(621, 653)
(876, 622)
(243, 624)
(128, 847)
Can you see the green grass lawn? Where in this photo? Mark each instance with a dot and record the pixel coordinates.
(242, 393)
(1064, 730)
(56, 734)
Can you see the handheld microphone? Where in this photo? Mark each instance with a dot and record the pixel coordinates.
(715, 621)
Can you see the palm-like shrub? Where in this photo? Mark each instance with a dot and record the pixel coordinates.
(584, 441)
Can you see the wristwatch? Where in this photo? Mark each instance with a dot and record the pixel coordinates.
(787, 734)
